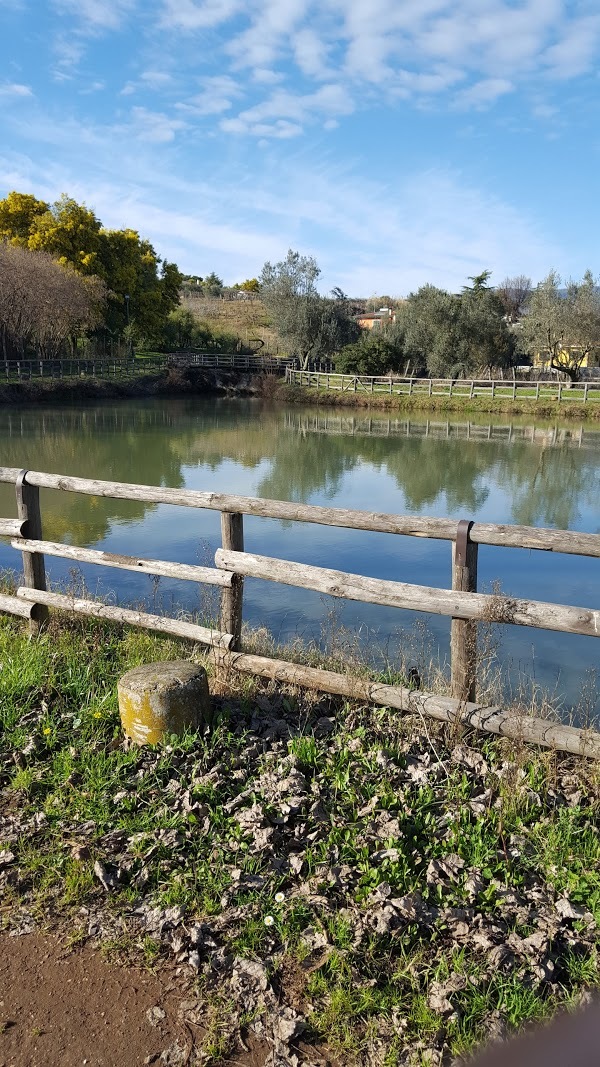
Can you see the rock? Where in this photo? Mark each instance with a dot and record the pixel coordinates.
(155, 1015)
(289, 1025)
(160, 699)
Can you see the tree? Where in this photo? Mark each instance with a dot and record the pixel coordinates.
(313, 326)
(563, 325)
(251, 285)
(212, 284)
(43, 304)
(18, 213)
(480, 282)
(70, 232)
(428, 322)
(513, 294)
(375, 352)
(143, 288)
(455, 335)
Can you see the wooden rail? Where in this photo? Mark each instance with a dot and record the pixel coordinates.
(28, 369)
(462, 603)
(465, 388)
(102, 367)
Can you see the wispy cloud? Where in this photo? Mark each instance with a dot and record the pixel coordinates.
(96, 15)
(189, 15)
(456, 52)
(285, 110)
(15, 89)
(217, 96)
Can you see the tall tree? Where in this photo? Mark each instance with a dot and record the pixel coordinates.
(564, 325)
(455, 335)
(143, 288)
(312, 325)
(514, 294)
(70, 232)
(43, 304)
(18, 214)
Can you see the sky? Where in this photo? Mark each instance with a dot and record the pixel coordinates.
(399, 142)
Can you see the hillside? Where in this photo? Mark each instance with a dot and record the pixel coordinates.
(247, 319)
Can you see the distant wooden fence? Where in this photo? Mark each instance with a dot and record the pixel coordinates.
(234, 361)
(465, 388)
(27, 369)
(462, 603)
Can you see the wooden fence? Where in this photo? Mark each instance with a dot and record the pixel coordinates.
(234, 361)
(26, 369)
(462, 603)
(465, 388)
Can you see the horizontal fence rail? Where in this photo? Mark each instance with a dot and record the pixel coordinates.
(465, 388)
(462, 603)
(482, 533)
(27, 369)
(234, 361)
(117, 367)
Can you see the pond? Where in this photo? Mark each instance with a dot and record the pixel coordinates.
(488, 469)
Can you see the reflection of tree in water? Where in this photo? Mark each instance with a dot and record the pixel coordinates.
(151, 441)
(112, 442)
(549, 485)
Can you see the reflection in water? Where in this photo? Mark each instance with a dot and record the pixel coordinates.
(496, 470)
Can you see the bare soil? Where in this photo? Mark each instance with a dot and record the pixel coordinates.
(62, 1007)
(66, 1006)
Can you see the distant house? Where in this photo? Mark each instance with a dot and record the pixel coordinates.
(565, 357)
(376, 320)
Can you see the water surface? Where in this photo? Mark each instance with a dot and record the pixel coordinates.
(496, 470)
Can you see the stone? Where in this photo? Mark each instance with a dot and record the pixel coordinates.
(161, 699)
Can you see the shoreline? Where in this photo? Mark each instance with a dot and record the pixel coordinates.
(177, 381)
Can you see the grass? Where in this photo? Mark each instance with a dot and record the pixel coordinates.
(407, 894)
(501, 405)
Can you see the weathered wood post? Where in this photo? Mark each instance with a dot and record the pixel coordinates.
(232, 538)
(463, 634)
(34, 570)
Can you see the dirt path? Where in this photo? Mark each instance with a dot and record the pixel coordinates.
(62, 1007)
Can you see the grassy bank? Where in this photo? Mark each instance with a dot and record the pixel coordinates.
(182, 381)
(387, 887)
(546, 409)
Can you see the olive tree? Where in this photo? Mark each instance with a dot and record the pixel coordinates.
(563, 325)
(311, 324)
(455, 335)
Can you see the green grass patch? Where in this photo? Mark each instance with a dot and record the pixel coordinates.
(400, 890)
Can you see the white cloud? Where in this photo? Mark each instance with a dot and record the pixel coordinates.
(483, 93)
(285, 108)
(466, 53)
(574, 53)
(266, 77)
(217, 96)
(311, 53)
(156, 79)
(15, 89)
(188, 15)
(96, 15)
(154, 126)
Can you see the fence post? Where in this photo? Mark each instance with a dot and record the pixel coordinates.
(232, 539)
(463, 634)
(34, 570)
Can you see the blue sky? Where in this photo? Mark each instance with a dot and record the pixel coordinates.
(398, 141)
